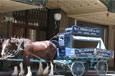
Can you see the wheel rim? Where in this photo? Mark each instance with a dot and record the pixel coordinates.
(102, 68)
(77, 68)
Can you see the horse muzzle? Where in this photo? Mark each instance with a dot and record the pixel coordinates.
(3, 58)
(6, 56)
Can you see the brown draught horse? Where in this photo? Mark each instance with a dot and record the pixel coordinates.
(8, 47)
(45, 50)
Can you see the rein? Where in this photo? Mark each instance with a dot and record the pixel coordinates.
(53, 37)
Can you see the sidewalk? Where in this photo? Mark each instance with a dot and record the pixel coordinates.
(93, 73)
(89, 73)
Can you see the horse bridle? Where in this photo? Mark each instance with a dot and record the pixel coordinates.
(13, 53)
(20, 47)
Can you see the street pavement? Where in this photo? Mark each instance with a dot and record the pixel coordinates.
(93, 73)
(89, 73)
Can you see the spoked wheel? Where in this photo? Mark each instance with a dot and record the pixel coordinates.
(102, 68)
(77, 68)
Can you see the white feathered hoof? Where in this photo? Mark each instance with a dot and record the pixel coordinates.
(29, 74)
(21, 69)
(51, 74)
(15, 73)
(29, 71)
(21, 73)
(51, 71)
(40, 70)
(46, 70)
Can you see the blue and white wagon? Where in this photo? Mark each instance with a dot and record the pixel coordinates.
(78, 60)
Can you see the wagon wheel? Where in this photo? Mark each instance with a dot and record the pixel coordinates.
(102, 68)
(77, 68)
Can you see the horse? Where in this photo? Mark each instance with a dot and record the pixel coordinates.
(11, 44)
(1, 41)
(45, 50)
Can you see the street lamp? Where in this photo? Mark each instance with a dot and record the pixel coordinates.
(57, 16)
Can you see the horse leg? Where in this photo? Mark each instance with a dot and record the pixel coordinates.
(26, 62)
(15, 72)
(28, 69)
(51, 71)
(21, 69)
(40, 70)
(29, 72)
(46, 70)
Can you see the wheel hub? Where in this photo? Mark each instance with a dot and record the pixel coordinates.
(78, 68)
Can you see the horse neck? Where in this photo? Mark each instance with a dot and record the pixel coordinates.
(26, 41)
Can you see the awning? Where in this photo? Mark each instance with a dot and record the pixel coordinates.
(9, 6)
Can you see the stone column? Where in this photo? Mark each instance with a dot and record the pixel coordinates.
(111, 44)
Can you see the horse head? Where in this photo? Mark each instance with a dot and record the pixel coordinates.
(9, 47)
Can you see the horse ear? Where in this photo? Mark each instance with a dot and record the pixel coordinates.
(22, 44)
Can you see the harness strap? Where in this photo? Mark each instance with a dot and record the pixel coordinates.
(19, 49)
(35, 56)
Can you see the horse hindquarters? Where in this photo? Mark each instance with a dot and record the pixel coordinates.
(53, 51)
(53, 55)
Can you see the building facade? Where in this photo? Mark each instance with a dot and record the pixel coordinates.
(39, 24)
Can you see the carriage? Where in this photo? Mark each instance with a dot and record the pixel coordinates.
(78, 60)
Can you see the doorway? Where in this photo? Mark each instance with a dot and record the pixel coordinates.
(36, 35)
(19, 31)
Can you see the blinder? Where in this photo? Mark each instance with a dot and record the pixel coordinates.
(14, 48)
